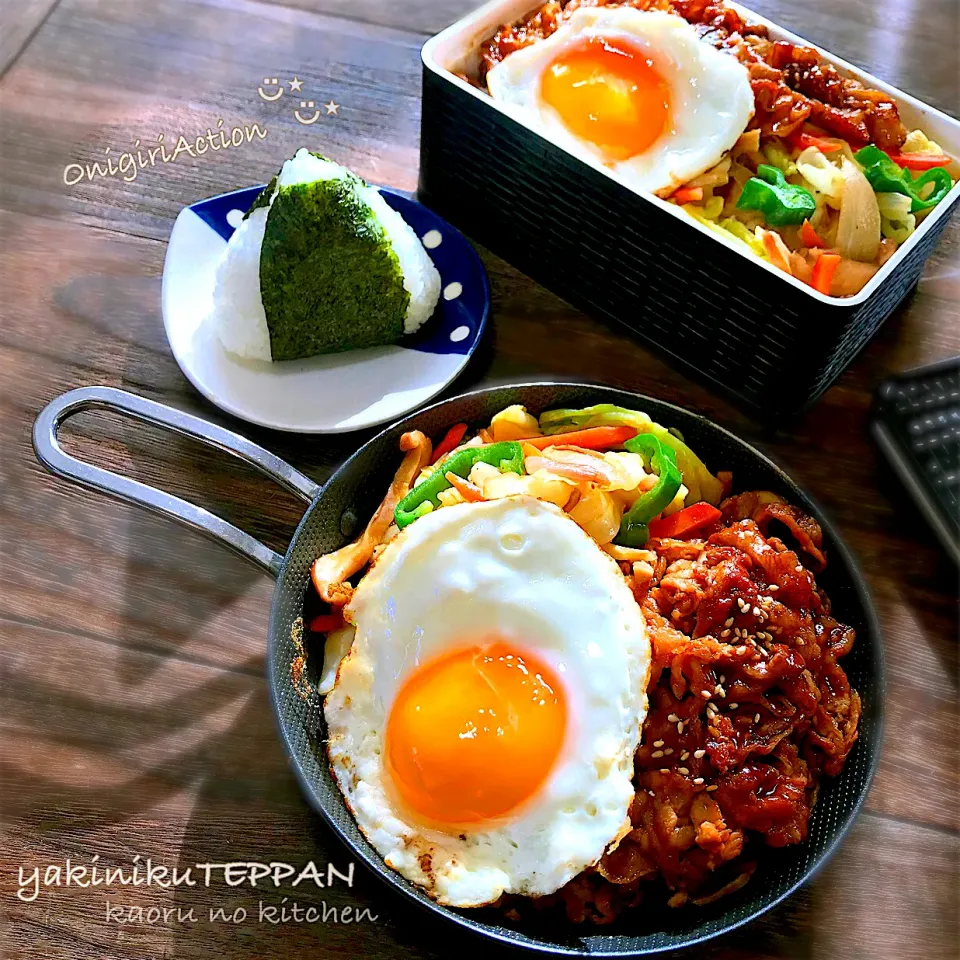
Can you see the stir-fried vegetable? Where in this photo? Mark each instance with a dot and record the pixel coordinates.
(806, 138)
(700, 483)
(767, 184)
(513, 423)
(779, 158)
(885, 176)
(775, 249)
(728, 227)
(920, 161)
(858, 230)
(688, 195)
(450, 441)
(781, 203)
(823, 271)
(809, 236)
(331, 571)
(896, 220)
(598, 514)
(687, 521)
(918, 142)
(326, 622)
(594, 438)
(821, 174)
(506, 456)
(661, 459)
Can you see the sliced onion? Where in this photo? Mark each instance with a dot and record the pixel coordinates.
(858, 229)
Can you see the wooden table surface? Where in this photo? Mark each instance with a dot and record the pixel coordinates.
(135, 713)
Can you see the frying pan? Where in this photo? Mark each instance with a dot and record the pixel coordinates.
(340, 507)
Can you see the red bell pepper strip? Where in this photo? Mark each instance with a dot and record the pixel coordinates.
(803, 139)
(823, 271)
(809, 236)
(326, 622)
(593, 438)
(920, 161)
(684, 522)
(450, 441)
(688, 195)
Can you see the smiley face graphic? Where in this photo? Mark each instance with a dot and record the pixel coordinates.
(270, 97)
(307, 105)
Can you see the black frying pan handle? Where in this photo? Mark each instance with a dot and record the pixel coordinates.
(53, 457)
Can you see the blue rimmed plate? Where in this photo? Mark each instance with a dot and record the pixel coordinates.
(334, 393)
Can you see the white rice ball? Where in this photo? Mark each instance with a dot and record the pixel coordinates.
(238, 315)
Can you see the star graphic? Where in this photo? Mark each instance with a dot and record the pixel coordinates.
(295, 84)
(332, 108)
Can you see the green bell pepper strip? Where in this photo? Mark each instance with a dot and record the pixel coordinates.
(663, 461)
(506, 456)
(781, 203)
(886, 177)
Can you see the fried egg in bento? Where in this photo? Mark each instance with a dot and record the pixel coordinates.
(484, 722)
(635, 90)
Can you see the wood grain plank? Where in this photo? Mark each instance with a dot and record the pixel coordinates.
(124, 87)
(419, 16)
(135, 718)
(188, 769)
(374, 72)
(21, 19)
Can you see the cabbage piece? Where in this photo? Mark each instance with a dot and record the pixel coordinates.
(711, 209)
(779, 158)
(701, 484)
(918, 142)
(740, 231)
(821, 174)
(598, 514)
(729, 227)
(540, 485)
(514, 423)
(897, 223)
(629, 471)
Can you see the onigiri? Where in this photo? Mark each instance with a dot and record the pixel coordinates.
(320, 264)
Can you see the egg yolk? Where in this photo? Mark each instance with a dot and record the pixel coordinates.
(608, 94)
(474, 733)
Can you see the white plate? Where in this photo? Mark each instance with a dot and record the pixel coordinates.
(334, 393)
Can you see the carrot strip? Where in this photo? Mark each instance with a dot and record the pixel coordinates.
(920, 161)
(450, 441)
(775, 249)
(823, 144)
(688, 195)
(469, 491)
(809, 236)
(593, 438)
(812, 136)
(684, 522)
(823, 271)
(326, 622)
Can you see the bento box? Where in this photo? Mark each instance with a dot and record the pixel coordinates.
(768, 341)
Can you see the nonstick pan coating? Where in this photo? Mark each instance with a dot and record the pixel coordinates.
(349, 499)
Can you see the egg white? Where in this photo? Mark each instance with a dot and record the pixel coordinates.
(522, 568)
(710, 94)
